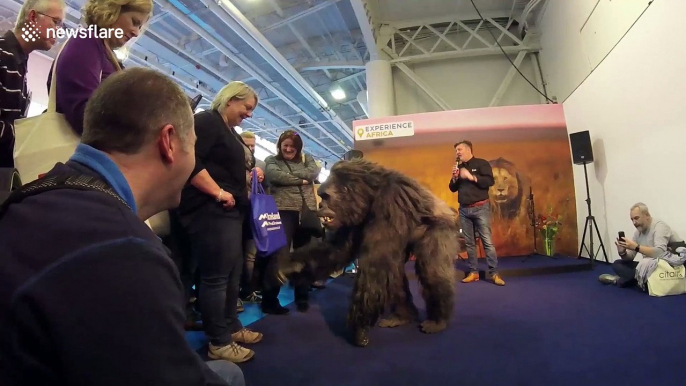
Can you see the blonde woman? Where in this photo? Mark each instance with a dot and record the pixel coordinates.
(213, 207)
(86, 61)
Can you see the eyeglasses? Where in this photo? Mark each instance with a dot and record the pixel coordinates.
(58, 22)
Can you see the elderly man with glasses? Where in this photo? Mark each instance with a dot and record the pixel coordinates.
(30, 33)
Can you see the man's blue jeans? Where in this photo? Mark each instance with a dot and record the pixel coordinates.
(478, 218)
(228, 371)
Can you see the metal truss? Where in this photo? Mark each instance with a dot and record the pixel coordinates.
(456, 37)
(450, 38)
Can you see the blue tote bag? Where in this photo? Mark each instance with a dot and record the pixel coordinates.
(267, 229)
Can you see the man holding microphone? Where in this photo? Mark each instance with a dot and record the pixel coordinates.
(471, 179)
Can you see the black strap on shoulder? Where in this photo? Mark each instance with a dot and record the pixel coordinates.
(48, 183)
(9, 181)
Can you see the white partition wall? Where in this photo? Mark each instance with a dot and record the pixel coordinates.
(633, 105)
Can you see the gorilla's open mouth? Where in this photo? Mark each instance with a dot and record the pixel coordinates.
(328, 217)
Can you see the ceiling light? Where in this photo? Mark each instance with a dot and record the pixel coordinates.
(338, 94)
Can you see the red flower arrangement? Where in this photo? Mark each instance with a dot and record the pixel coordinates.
(548, 224)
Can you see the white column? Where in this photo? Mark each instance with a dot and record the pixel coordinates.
(380, 93)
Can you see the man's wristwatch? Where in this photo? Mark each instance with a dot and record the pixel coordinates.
(637, 247)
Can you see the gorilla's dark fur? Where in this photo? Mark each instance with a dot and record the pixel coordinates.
(380, 217)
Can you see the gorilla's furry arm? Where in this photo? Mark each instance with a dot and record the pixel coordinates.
(320, 258)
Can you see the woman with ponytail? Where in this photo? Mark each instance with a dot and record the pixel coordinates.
(88, 56)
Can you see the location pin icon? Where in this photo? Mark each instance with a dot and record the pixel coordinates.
(360, 131)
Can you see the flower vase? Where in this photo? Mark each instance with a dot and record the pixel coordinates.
(549, 246)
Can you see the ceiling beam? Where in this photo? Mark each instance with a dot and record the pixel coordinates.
(424, 86)
(235, 20)
(218, 73)
(348, 77)
(276, 7)
(207, 96)
(195, 27)
(470, 53)
(299, 15)
(307, 47)
(333, 65)
(445, 19)
(508, 79)
(538, 77)
(366, 26)
(419, 82)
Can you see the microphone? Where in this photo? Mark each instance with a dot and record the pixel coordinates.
(457, 166)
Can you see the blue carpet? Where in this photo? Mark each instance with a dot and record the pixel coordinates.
(252, 313)
(525, 262)
(565, 329)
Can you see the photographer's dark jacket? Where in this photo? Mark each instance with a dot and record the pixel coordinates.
(88, 293)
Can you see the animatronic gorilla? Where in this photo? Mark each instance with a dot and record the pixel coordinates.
(380, 217)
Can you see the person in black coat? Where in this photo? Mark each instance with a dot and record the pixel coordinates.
(213, 206)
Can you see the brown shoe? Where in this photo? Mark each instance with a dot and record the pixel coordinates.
(473, 276)
(246, 336)
(231, 352)
(498, 280)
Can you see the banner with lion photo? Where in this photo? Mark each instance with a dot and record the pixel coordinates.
(543, 167)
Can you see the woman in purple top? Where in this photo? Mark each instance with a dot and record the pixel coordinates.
(86, 60)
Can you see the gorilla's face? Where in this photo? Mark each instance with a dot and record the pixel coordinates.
(346, 194)
(330, 200)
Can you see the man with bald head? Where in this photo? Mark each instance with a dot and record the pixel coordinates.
(652, 238)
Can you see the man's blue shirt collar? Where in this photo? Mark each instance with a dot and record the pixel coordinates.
(103, 165)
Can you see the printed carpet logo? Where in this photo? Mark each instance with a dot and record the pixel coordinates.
(29, 33)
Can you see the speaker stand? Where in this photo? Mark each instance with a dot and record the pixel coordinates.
(590, 223)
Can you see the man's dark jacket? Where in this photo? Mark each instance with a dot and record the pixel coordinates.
(88, 293)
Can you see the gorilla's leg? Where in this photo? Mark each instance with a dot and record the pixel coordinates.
(369, 295)
(403, 310)
(436, 273)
